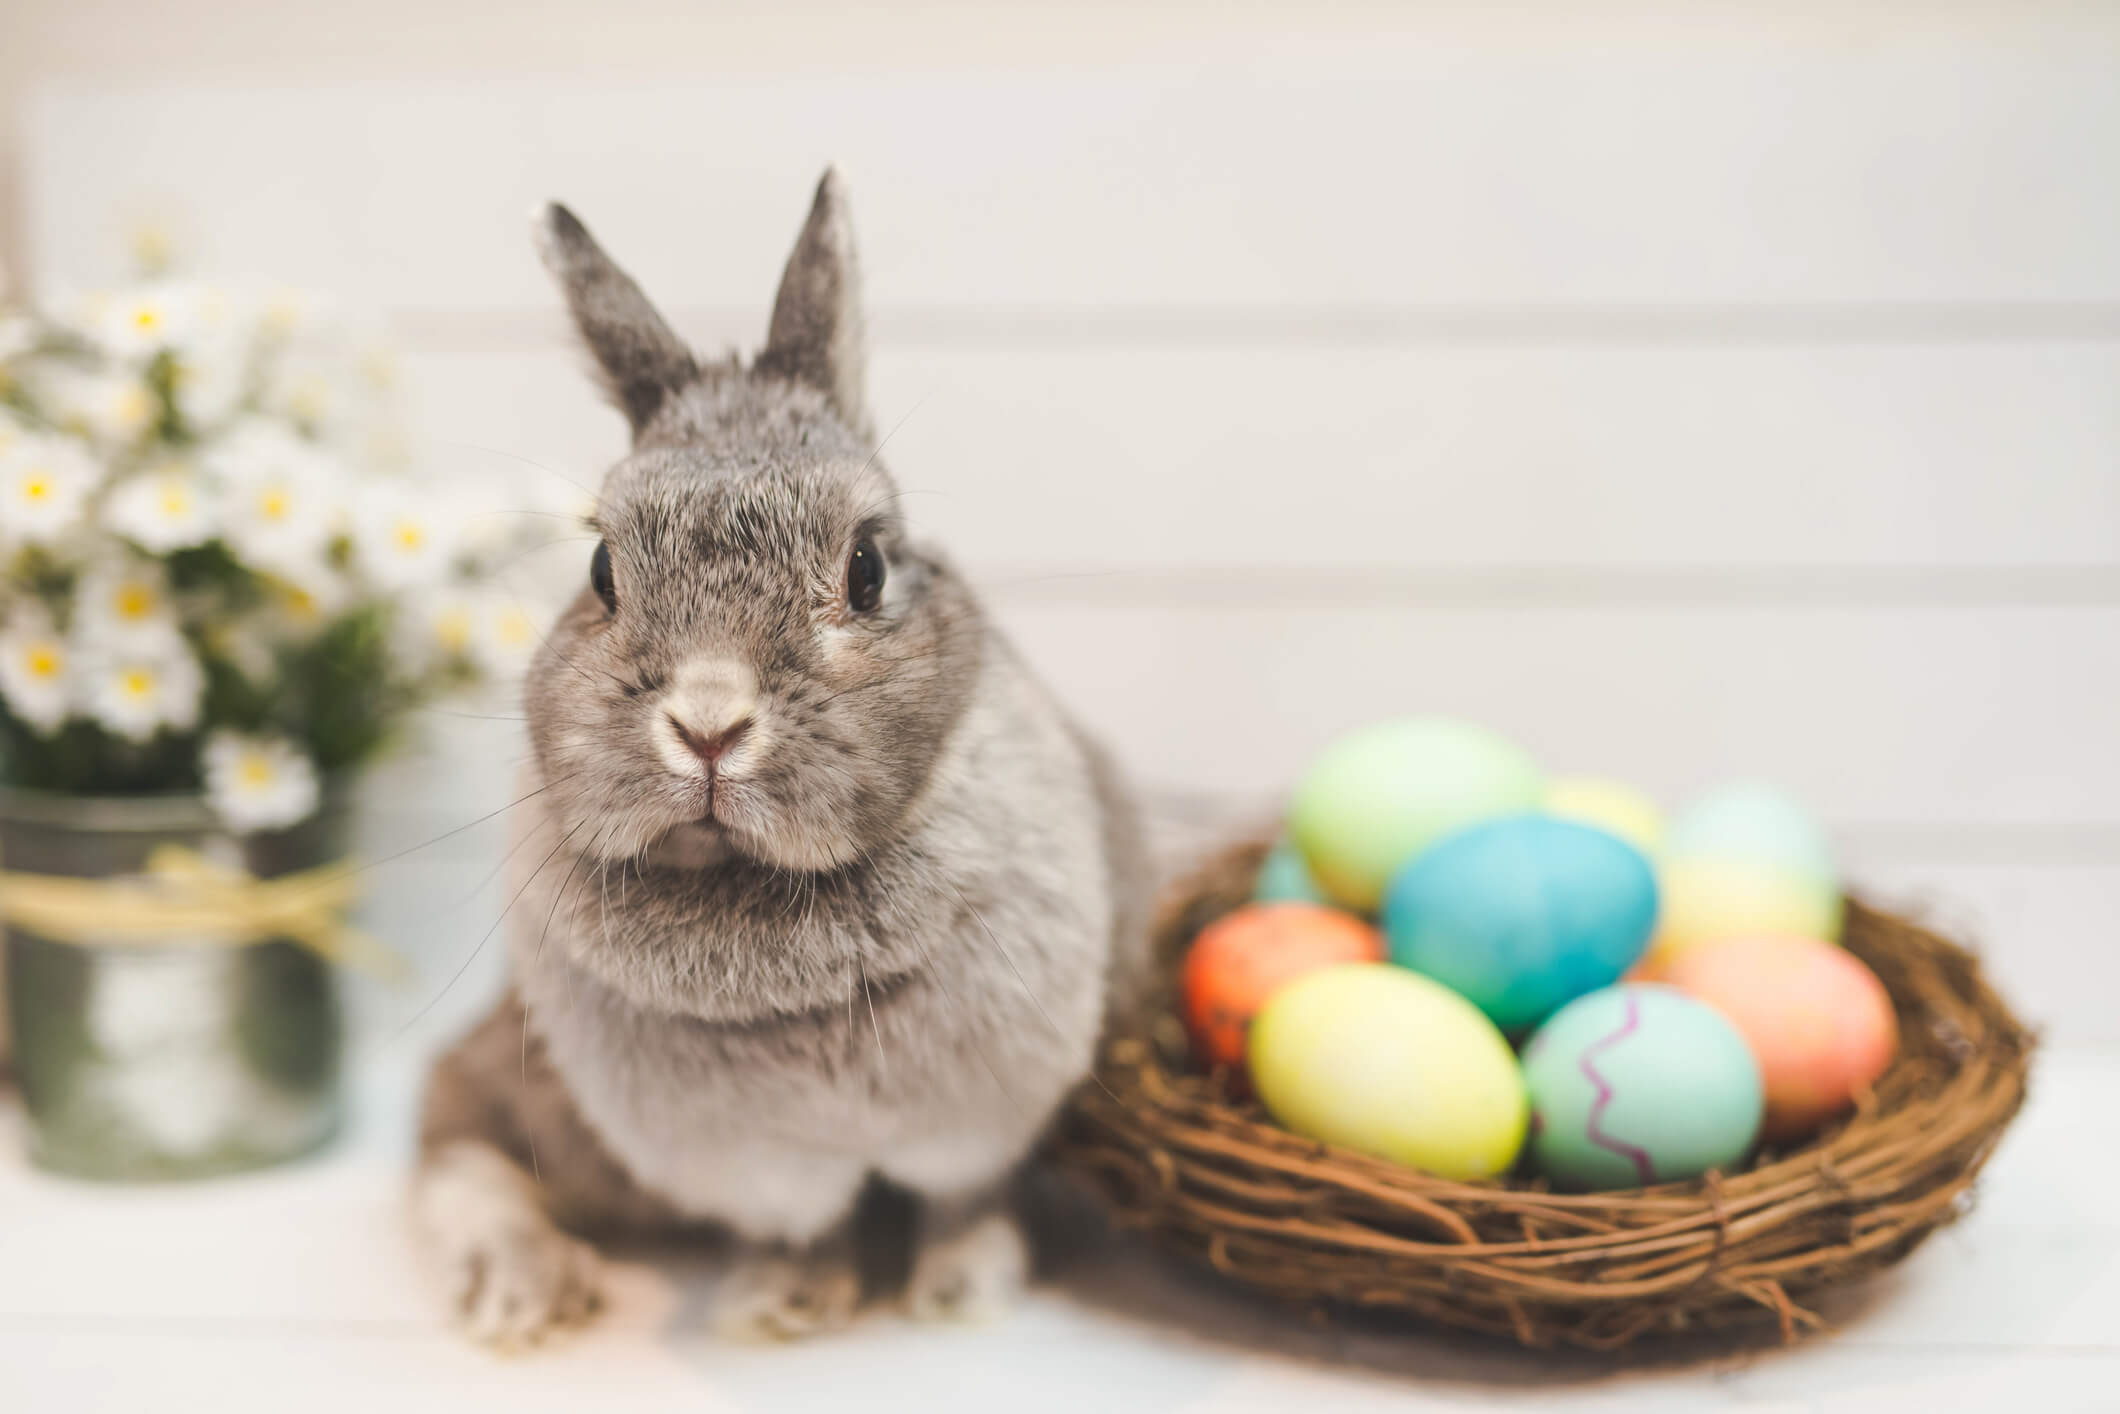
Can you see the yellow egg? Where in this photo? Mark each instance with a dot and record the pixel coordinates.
(1377, 1059)
(1706, 900)
(1611, 806)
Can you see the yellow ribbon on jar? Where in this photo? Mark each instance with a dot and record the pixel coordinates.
(185, 899)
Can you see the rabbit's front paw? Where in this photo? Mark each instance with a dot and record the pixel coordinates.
(973, 1274)
(515, 1288)
(775, 1297)
(512, 1276)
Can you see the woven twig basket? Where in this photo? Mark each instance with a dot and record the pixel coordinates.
(1179, 1153)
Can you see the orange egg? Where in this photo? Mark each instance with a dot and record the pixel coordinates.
(1245, 957)
(1818, 1021)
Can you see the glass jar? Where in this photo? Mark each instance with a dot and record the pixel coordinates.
(184, 1056)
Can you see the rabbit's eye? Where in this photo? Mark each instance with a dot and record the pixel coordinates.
(600, 577)
(864, 576)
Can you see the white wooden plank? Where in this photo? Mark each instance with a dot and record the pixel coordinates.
(2043, 931)
(1134, 1370)
(1043, 460)
(1415, 169)
(1965, 715)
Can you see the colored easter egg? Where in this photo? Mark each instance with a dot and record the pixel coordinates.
(1522, 915)
(1609, 805)
(1381, 1060)
(1757, 824)
(1380, 795)
(1707, 899)
(1819, 1023)
(1639, 1084)
(1244, 957)
(1285, 878)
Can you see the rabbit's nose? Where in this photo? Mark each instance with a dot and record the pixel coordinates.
(712, 708)
(710, 747)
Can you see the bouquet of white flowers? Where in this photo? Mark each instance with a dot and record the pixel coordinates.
(219, 573)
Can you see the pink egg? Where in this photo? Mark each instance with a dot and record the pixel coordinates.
(1819, 1022)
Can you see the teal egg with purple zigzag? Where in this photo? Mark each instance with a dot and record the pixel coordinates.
(1637, 1085)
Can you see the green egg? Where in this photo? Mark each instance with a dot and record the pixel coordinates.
(1638, 1085)
(1758, 825)
(1381, 794)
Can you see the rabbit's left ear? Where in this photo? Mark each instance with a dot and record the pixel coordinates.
(641, 360)
(817, 336)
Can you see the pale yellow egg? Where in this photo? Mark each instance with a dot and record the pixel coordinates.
(1706, 900)
(1612, 806)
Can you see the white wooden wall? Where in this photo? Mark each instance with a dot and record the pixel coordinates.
(1682, 408)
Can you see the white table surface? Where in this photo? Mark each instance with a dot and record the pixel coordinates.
(299, 1289)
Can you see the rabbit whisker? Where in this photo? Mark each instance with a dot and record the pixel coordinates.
(881, 1058)
(480, 946)
(518, 457)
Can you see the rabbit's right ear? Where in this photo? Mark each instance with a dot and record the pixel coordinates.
(641, 360)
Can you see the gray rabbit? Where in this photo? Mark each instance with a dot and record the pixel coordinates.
(821, 887)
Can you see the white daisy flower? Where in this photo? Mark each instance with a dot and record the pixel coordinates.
(169, 506)
(285, 314)
(303, 599)
(111, 408)
(308, 392)
(508, 635)
(209, 381)
(259, 782)
(44, 484)
(440, 627)
(280, 506)
(401, 540)
(34, 664)
(123, 606)
(471, 627)
(139, 323)
(136, 694)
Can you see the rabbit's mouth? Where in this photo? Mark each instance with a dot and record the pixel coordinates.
(695, 844)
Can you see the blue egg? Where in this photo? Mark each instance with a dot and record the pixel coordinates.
(1522, 915)
(1285, 878)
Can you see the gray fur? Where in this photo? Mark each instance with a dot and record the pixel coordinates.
(641, 361)
(881, 940)
(817, 336)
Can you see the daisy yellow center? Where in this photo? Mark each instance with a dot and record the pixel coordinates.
(453, 628)
(308, 399)
(256, 771)
(410, 536)
(135, 601)
(514, 628)
(36, 488)
(275, 503)
(45, 660)
(137, 682)
(175, 500)
(146, 320)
